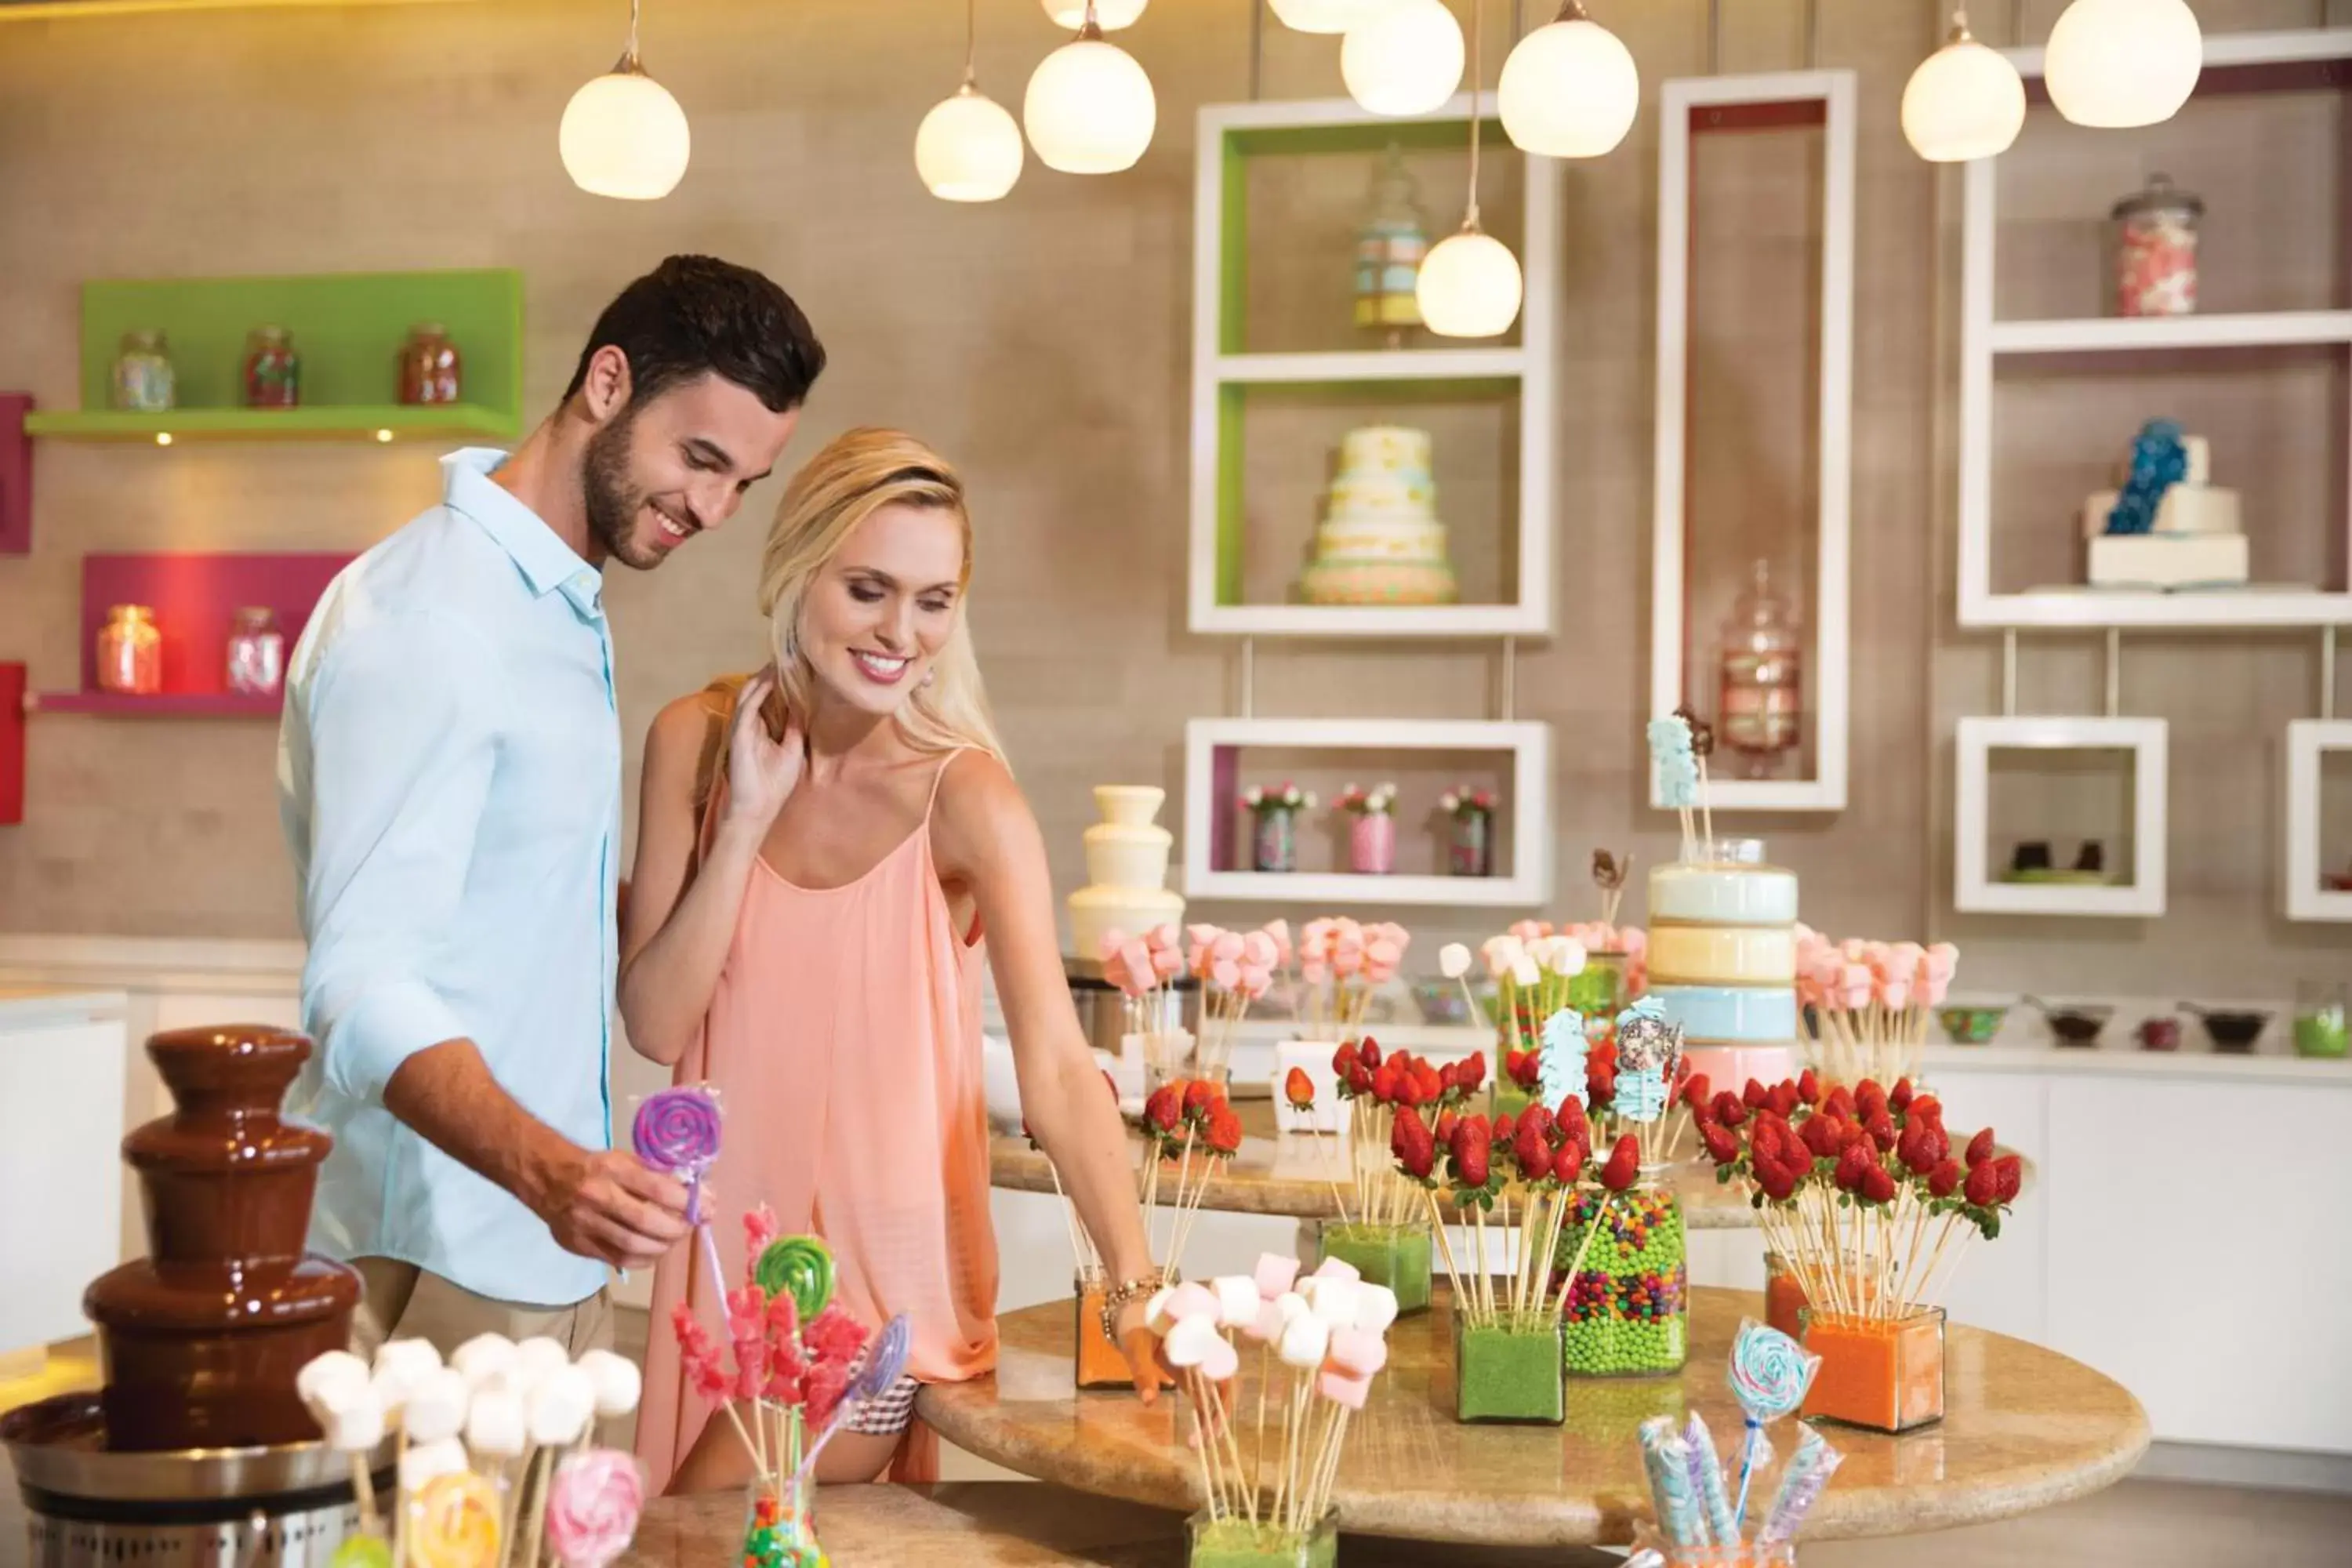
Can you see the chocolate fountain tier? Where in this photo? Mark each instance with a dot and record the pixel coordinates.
(202, 1339)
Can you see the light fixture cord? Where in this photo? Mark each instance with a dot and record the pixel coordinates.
(633, 32)
(970, 41)
(1477, 86)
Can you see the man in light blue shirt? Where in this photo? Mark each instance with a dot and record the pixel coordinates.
(449, 781)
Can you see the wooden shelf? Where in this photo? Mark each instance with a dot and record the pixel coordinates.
(1371, 620)
(1350, 367)
(160, 705)
(1347, 890)
(2139, 334)
(2098, 609)
(438, 422)
(1973, 887)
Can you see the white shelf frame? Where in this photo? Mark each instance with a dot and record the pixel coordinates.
(1827, 670)
(1527, 884)
(2307, 742)
(1985, 340)
(1529, 364)
(1974, 890)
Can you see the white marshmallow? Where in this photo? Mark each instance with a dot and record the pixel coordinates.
(331, 1381)
(436, 1406)
(1337, 1302)
(1292, 1306)
(483, 1357)
(424, 1461)
(1155, 1312)
(1376, 1306)
(417, 1356)
(389, 1388)
(1454, 961)
(495, 1428)
(1304, 1343)
(618, 1382)
(1221, 1362)
(560, 1406)
(1187, 1342)
(355, 1429)
(1338, 1269)
(1236, 1299)
(539, 1356)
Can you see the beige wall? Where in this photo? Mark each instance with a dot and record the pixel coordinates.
(1044, 342)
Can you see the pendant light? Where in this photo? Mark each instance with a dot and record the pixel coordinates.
(968, 149)
(2114, 63)
(1470, 285)
(1322, 16)
(1404, 58)
(622, 134)
(1089, 109)
(1964, 101)
(1110, 16)
(1569, 88)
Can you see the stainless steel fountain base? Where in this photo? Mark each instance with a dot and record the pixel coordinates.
(285, 1507)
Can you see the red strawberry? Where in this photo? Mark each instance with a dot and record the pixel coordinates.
(1342, 1060)
(1808, 1086)
(1568, 1162)
(1530, 1069)
(1697, 1091)
(1360, 1079)
(1426, 1084)
(1624, 1164)
(1983, 1187)
(1777, 1182)
(1980, 1149)
(1925, 1108)
(1755, 1096)
(1469, 1144)
(1730, 1110)
(1447, 1120)
(1881, 1129)
(1165, 1109)
(1770, 1140)
(1386, 1077)
(1224, 1129)
(2008, 1174)
(1915, 1149)
(1471, 1074)
(1934, 1141)
(1569, 1121)
(1824, 1135)
(1868, 1097)
(1877, 1186)
(1506, 1127)
(1785, 1099)
(1600, 1085)
(1944, 1179)
(1368, 1053)
(1901, 1097)
(1298, 1089)
(1197, 1095)
(1851, 1165)
(1410, 1142)
(1721, 1146)
(1840, 1102)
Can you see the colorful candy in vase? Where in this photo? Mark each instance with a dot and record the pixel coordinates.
(1866, 1004)
(1322, 1339)
(1862, 1198)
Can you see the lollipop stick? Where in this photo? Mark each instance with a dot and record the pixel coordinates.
(364, 1489)
(535, 1500)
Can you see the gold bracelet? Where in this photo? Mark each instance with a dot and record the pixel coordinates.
(1127, 1292)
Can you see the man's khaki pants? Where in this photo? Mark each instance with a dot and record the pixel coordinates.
(403, 1301)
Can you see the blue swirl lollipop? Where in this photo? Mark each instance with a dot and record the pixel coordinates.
(1559, 1071)
(1768, 1375)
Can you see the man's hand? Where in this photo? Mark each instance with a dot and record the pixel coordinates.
(611, 1206)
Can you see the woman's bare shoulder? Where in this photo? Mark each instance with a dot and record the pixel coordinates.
(979, 805)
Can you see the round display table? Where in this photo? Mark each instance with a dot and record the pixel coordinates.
(2024, 1428)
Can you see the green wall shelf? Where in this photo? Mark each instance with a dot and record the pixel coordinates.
(348, 329)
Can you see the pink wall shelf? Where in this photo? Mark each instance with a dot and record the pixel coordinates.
(15, 475)
(193, 597)
(11, 743)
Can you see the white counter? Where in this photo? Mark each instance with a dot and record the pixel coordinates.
(64, 1053)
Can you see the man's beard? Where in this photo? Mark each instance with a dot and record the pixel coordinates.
(606, 493)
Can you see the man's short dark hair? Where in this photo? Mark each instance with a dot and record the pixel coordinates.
(695, 316)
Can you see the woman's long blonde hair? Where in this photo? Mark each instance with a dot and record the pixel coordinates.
(859, 472)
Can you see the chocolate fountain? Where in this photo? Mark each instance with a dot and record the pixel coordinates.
(198, 1451)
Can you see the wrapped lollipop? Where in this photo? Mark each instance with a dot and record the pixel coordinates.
(1769, 1375)
(1808, 1472)
(593, 1504)
(675, 1131)
(1666, 1457)
(452, 1521)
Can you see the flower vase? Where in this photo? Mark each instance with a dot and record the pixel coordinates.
(1629, 1308)
(1470, 846)
(1228, 1541)
(1883, 1374)
(779, 1524)
(1371, 843)
(1273, 845)
(1396, 1255)
(1508, 1374)
(1100, 1363)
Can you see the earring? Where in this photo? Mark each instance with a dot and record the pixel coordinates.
(929, 674)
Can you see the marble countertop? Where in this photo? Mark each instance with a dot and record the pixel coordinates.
(2024, 1428)
(1292, 1173)
(45, 1006)
(996, 1524)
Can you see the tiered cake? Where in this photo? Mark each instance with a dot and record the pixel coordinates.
(1379, 541)
(1126, 857)
(1723, 960)
(2197, 542)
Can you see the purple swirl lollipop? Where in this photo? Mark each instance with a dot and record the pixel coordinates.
(677, 1131)
(886, 1362)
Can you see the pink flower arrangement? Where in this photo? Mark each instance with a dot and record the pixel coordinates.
(1462, 801)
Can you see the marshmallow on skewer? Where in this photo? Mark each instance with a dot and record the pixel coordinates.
(1304, 1343)
(436, 1406)
(354, 1427)
(1376, 1306)
(483, 1357)
(1221, 1362)
(1341, 1389)
(330, 1381)
(496, 1427)
(540, 1356)
(1275, 1274)
(1193, 1299)
(560, 1406)
(1267, 1326)
(424, 1461)
(1337, 1302)
(1188, 1342)
(1237, 1299)
(1357, 1353)
(1155, 1310)
(618, 1382)
(1292, 1306)
(1338, 1269)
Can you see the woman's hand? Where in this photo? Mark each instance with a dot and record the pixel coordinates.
(761, 771)
(1141, 1347)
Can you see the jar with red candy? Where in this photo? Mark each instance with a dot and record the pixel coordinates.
(273, 371)
(2155, 251)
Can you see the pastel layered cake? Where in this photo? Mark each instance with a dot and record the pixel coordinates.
(1381, 542)
(1723, 960)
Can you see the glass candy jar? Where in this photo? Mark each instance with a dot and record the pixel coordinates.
(144, 382)
(1100, 1363)
(2155, 251)
(1396, 1255)
(257, 653)
(1470, 843)
(428, 366)
(1509, 1373)
(273, 371)
(1274, 839)
(1759, 701)
(1629, 1305)
(1234, 1541)
(1884, 1372)
(1389, 251)
(130, 652)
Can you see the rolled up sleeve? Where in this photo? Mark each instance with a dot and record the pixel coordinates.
(403, 741)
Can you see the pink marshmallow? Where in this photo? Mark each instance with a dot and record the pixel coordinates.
(1221, 1362)
(1275, 1274)
(1203, 935)
(1267, 1327)
(1357, 1353)
(1227, 948)
(1191, 1299)
(1258, 949)
(1338, 1269)
(1342, 1389)
(1225, 976)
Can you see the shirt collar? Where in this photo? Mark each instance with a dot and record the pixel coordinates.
(547, 563)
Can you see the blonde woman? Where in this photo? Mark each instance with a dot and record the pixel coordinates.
(820, 850)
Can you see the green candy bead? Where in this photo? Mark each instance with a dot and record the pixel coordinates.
(361, 1551)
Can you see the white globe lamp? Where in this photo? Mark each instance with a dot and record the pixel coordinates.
(1569, 88)
(1089, 109)
(623, 136)
(1470, 287)
(1404, 59)
(2114, 63)
(1323, 15)
(968, 148)
(1964, 101)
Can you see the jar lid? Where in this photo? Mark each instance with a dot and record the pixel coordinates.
(2161, 195)
(255, 613)
(428, 330)
(144, 338)
(130, 612)
(271, 334)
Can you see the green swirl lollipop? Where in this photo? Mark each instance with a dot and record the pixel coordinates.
(800, 1267)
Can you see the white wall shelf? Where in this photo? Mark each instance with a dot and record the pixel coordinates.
(1973, 888)
(1827, 611)
(2233, 62)
(1229, 135)
(2307, 742)
(1211, 746)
